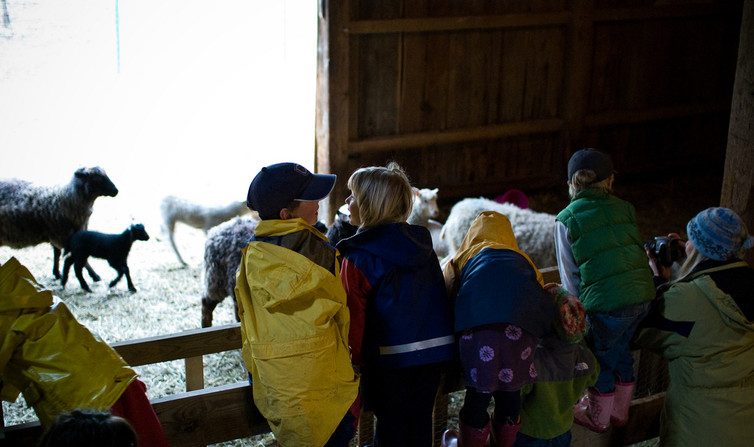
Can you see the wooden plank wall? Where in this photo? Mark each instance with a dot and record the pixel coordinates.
(477, 96)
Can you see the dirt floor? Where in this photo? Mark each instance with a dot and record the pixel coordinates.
(168, 297)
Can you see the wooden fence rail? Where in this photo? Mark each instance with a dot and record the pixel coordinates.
(199, 417)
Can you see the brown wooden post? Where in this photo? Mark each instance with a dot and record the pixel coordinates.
(738, 180)
(332, 97)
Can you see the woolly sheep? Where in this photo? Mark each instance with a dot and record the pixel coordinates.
(32, 214)
(174, 209)
(112, 247)
(535, 232)
(222, 256)
(424, 210)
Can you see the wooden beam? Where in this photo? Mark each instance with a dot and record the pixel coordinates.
(433, 24)
(608, 118)
(422, 139)
(194, 373)
(510, 21)
(660, 12)
(738, 180)
(192, 343)
(209, 416)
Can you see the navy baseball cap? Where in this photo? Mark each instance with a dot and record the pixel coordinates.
(591, 159)
(276, 186)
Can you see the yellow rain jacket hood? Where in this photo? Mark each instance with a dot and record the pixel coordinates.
(50, 357)
(490, 229)
(294, 323)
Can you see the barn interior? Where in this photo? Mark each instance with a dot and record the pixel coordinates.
(478, 97)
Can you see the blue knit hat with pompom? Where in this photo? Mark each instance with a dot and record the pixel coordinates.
(719, 234)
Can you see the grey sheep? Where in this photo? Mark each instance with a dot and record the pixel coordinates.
(175, 209)
(535, 232)
(32, 214)
(112, 247)
(222, 256)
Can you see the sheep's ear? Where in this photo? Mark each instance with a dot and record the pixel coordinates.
(81, 173)
(434, 191)
(415, 190)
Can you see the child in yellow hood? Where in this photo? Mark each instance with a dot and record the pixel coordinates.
(59, 365)
(501, 312)
(294, 319)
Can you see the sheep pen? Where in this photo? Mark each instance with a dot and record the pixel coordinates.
(169, 297)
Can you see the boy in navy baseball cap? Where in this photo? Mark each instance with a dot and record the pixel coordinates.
(278, 190)
(294, 318)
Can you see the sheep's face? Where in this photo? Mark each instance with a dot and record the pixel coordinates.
(427, 199)
(95, 182)
(139, 233)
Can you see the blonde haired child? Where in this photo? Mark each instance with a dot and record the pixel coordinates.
(401, 333)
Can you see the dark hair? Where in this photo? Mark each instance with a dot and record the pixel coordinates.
(87, 428)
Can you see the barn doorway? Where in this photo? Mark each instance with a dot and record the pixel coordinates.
(170, 97)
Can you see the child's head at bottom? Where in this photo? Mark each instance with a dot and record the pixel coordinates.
(288, 190)
(382, 194)
(87, 428)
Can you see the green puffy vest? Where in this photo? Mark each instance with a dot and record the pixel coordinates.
(608, 250)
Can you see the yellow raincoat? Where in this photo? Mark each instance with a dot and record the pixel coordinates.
(294, 323)
(48, 356)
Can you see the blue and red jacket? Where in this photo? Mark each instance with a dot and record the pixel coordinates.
(400, 313)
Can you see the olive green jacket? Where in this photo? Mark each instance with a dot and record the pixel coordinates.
(709, 345)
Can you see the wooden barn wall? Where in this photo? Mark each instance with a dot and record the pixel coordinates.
(477, 96)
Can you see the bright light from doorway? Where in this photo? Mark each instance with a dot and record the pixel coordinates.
(206, 94)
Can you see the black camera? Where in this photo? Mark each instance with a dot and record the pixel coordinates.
(665, 250)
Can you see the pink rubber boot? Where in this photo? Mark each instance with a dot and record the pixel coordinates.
(473, 437)
(503, 434)
(593, 410)
(624, 393)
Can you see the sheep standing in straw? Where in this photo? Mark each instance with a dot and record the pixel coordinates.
(32, 214)
(222, 255)
(535, 232)
(174, 209)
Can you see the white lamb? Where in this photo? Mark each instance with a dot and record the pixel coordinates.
(175, 209)
(425, 208)
(535, 232)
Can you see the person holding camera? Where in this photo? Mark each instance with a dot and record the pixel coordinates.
(601, 260)
(702, 322)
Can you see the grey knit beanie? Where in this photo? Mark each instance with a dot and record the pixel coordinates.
(719, 234)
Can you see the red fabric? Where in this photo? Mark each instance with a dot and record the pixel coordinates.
(357, 290)
(134, 406)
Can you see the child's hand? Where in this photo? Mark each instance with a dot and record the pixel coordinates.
(571, 322)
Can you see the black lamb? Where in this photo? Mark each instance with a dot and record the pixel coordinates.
(112, 247)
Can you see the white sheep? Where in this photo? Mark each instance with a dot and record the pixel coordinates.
(175, 209)
(222, 256)
(32, 214)
(424, 210)
(535, 232)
